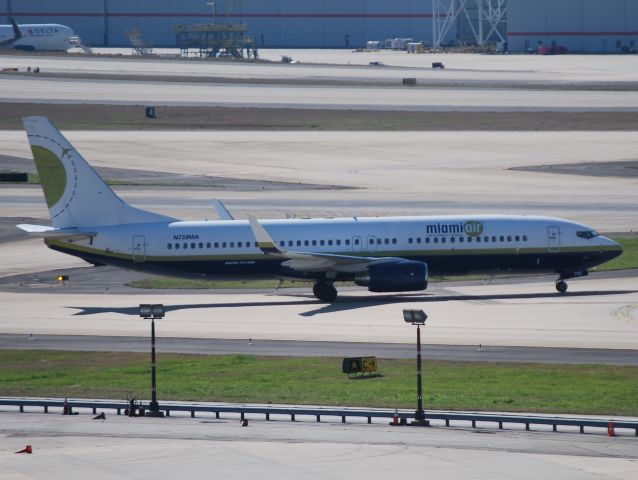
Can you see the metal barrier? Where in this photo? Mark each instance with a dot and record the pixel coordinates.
(343, 413)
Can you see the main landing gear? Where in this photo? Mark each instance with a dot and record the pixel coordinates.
(325, 291)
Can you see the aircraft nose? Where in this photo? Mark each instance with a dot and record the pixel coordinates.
(613, 247)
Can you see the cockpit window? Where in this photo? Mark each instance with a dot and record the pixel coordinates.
(587, 234)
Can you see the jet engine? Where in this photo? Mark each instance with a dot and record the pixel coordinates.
(400, 276)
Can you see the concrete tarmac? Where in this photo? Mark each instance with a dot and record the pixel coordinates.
(395, 173)
(120, 92)
(69, 447)
(595, 313)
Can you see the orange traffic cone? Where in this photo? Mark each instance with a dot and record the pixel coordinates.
(611, 432)
(26, 449)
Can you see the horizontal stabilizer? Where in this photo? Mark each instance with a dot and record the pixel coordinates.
(43, 231)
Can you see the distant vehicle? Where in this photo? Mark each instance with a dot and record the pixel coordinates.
(385, 254)
(377, 64)
(38, 36)
(551, 50)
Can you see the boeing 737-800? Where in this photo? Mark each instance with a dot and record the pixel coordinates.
(389, 254)
(40, 36)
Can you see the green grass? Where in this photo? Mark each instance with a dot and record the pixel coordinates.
(607, 390)
(628, 259)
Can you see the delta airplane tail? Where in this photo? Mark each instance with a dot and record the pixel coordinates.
(74, 192)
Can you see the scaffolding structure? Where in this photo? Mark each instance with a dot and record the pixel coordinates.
(484, 20)
(216, 39)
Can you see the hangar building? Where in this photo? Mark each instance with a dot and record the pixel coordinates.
(596, 26)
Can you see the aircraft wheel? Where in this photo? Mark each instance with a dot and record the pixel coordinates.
(325, 291)
(561, 286)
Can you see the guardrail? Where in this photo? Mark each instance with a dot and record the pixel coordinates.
(317, 412)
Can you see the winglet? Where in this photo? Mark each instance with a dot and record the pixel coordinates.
(222, 211)
(264, 240)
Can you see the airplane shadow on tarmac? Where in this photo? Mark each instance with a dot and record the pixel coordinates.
(352, 302)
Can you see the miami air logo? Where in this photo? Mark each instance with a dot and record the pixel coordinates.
(473, 228)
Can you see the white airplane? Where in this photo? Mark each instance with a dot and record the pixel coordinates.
(390, 254)
(40, 36)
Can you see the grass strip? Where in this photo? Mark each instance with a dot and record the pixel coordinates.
(576, 389)
(628, 259)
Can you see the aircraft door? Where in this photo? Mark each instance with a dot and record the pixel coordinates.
(371, 243)
(139, 248)
(357, 246)
(553, 238)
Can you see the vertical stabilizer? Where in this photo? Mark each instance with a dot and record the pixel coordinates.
(74, 192)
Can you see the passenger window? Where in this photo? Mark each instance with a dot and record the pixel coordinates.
(517, 238)
(461, 239)
(410, 240)
(378, 241)
(223, 244)
(290, 243)
(394, 241)
(201, 245)
(207, 244)
(314, 243)
(469, 239)
(452, 240)
(170, 246)
(493, 238)
(427, 240)
(185, 246)
(299, 243)
(322, 242)
(478, 239)
(486, 239)
(356, 241)
(509, 238)
(216, 244)
(501, 238)
(443, 240)
(348, 241)
(177, 246)
(436, 240)
(232, 244)
(330, 242)
(338, 242)
(305, 242)
(239, 244)
(524, 238)
(193, 245)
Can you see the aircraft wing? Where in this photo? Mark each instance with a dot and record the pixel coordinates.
(314, 262)
(43, 231)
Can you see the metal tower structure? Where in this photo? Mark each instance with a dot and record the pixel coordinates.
(485, 19)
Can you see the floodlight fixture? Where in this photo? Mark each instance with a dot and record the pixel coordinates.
(145, 310)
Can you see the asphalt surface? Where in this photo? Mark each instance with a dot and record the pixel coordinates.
(214, 346)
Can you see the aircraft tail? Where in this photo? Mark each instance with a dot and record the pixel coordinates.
(17, 34)
(74, 192)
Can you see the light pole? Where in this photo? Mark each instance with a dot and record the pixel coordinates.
(153, 312)
(418, 318)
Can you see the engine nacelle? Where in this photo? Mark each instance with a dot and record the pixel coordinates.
(399, 276)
